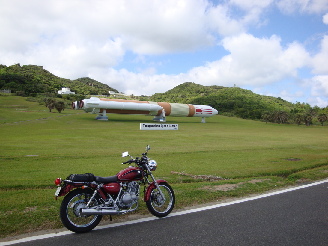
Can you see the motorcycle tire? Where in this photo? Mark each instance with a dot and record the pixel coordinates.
(70, 210)
(158, 206)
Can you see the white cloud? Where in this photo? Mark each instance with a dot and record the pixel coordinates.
(319, 85)
(320, 59)
(155, 27)
(290, 96)
(253, 9)
(136, 83)
(251, 4)
(325, 19)
(252, 61)
(220, 21)
(303, 6)
(145, 26)
(72, 38)
(318, 101)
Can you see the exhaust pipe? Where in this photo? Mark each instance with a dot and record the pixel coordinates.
(93, 211)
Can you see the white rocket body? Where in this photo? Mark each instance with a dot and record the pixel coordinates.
(95, 102)
(160, 110)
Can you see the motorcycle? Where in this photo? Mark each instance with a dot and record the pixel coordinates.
(88, 197)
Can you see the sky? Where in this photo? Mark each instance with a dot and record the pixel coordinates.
(273, 47)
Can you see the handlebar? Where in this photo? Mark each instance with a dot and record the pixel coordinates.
(137, 160)
(129, 161)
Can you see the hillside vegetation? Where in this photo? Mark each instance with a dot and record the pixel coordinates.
(30, 80)
(235, 101)
(186, 93)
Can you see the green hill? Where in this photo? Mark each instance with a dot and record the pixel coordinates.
(31, 79)
(185, 93)
(243, 103)
(228, 100)
(235, 101)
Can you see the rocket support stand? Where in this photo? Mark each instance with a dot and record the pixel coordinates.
(102, 116)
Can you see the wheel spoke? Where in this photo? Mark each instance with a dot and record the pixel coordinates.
(74, 211)
(71, 208)
(161, 205)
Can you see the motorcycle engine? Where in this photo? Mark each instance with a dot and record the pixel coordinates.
(130, 195)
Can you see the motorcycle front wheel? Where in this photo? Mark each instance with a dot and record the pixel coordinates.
(158, 205)
(70, 211)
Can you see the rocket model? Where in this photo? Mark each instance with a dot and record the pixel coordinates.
(159, 110)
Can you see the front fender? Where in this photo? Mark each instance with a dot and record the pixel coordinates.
(151, 187)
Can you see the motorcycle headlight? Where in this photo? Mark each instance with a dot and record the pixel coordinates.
(152, 165)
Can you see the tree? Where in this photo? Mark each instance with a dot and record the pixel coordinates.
(281, 117)
(308, 119)
(268, 117)
(322, 118)
(309, 115)
(60, 106)
(50, 103)
(298, 118)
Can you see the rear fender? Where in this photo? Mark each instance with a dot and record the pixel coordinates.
(151, 187)
(67, 187)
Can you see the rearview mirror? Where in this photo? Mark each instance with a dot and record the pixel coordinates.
(125, 154)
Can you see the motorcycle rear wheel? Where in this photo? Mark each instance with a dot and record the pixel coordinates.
(157, 205)
(70, 211)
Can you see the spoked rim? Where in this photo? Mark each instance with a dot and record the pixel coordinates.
(74, 208)
(160, 204)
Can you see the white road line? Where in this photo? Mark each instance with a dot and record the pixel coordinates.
(247, 199)
(28, 239)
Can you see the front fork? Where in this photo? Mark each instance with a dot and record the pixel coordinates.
(154, 184)
(160, 191)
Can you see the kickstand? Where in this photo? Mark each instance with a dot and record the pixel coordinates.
(110, 218)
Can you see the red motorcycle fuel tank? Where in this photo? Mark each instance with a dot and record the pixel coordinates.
(130, 174)
(112, 188)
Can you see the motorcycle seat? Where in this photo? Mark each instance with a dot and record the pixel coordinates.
(109, 179)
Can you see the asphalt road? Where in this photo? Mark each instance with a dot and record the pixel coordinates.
(298, 217)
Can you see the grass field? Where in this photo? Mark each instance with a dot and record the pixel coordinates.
(248, 156)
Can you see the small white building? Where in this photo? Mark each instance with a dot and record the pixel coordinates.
(65, 91)
(113, 93)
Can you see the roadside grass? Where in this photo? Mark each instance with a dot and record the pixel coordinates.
(225, 157)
